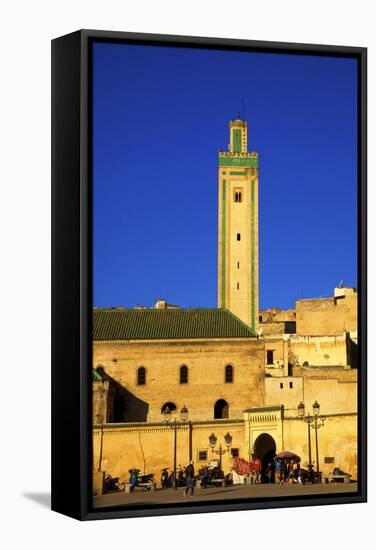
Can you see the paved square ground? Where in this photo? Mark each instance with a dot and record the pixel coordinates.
(171, 496)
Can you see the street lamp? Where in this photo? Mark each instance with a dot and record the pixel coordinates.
(221, 451)
(167, 417)
(316, 421)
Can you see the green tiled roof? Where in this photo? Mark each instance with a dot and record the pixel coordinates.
(156, 324)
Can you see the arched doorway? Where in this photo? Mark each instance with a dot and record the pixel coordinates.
(264, 448)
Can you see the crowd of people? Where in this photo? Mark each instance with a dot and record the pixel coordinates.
(205, 476)
(277, 470)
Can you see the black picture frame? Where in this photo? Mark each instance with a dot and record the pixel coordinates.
(72, 280)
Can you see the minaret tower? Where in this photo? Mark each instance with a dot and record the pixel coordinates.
(238, 287)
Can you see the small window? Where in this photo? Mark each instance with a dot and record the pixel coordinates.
(229, 374)
(238, 265)
(305, 364)
(141, 376)
(234, 453)
(269, 356)
(237, 286)
(238, 237)
(238, 196)
(281, 385)
(183, 375)
(260, 319)
(202, 455)
(290, 384)
(329, 460)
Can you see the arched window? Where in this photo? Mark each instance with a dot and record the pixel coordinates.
(141, 376)
(184, 374)
(221, 409)
(170, 405)
(229, 374)
(238, 237)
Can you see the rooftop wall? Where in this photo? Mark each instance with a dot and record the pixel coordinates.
(327, 316)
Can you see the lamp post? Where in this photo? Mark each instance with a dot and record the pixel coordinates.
(314, 421)
(167, 418)
(221, 451)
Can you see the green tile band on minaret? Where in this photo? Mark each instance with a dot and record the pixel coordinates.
(238, 227)
(224, 243)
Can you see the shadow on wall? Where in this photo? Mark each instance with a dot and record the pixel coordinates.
(352, 352)
(126, 406)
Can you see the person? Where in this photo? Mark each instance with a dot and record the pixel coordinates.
(253, 475)
(291, 472)
(269, 472)
(257, 466)
(298, 473)
(283, 471)
(164, 478)
(190, 479)
(181, 480)
(278, 470)
(133, 480)
(205, 477)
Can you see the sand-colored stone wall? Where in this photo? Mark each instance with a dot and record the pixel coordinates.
(151, 447)
(319, 350)
(337, 439)
(206, 362)
(276, 315)
(334, 389)
(327, 316)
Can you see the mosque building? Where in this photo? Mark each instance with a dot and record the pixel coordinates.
(232, 370)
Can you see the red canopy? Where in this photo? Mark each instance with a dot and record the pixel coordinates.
(241, 466)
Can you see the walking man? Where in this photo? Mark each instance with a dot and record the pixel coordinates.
(190, 479)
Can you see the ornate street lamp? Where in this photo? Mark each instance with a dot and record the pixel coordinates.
(184, 413)
(316, 421)
(213, 442)
(316, 408)
(166, 414)
(167, 417)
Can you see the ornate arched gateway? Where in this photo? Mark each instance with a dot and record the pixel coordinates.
(264, 432)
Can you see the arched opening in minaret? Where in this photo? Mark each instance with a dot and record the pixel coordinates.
(238, 237)
(221, 409)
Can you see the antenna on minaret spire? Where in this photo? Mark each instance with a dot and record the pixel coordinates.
(243, 108)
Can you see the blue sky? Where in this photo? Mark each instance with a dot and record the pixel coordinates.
(161, 114)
